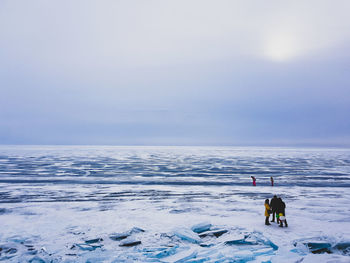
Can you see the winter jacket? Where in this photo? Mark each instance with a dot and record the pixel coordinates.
(281, 208)
(267, 208)
(274, 203)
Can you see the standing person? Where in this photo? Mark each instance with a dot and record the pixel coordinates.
(274, 204)
(271, 178)
(267, 214)
(254, 180)
(278, 209)
(282, 213)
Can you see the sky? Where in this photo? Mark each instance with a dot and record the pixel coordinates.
(184, 72)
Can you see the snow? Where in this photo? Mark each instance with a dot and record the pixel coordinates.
(75, 222)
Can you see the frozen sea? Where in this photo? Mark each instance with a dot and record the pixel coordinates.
(172, 204)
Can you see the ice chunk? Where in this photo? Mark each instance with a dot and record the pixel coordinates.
(271, 244)
(183, 256)
(7, 253)
(216, 233)
(32, 251)
(343, 247)
(319, 247)
(166, 252)
(206, 244)
(119, 236)
(96, 259)
(87, 247)
(136, 230)
(219, 232)
(261, 238)
(201, 227)
(129, 242)
(18, 239)
(37, 260)
(242, 241)
(123, 235)
(8, 250)
(263, 251)
(243, 256)
(91, 241)
(188, 235)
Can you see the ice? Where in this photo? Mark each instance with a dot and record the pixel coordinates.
(321, 245)
(328, 258)
(318, 248)
(183, 256)
(95, 240)
(123, 235)
(87, 247)
(244, 256)
(187, 235)
(202, 227)
(136, 230)
(240, 242)
(119, 236)
(343, 247)
(261, 238)
(129, 242)
(55, 197)
(165, 252)
(8, 250)
(37, 260)
(216, 233)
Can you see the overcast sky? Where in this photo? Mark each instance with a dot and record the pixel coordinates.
(178, 72)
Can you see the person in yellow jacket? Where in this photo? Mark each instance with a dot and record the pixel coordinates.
(267, 212)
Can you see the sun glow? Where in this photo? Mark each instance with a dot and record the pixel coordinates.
(281, 48)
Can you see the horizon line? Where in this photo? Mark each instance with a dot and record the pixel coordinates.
(308, 146)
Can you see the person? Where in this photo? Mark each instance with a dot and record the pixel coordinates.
(271, 178)
(281, 211)
(254, 180)
(278, 209)
(283, 219)
(274, 204)
(267, 214)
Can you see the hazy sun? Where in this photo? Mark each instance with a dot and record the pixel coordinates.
(280, 47)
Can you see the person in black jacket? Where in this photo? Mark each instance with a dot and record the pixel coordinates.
(281, 211)
(273, 205)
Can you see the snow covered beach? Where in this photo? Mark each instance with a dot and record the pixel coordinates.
(74, 204)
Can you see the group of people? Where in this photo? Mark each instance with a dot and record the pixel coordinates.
(275, 208)
(254, 180)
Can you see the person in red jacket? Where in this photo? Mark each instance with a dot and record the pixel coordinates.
(254, 180)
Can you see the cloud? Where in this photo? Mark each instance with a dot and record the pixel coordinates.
(198, 71)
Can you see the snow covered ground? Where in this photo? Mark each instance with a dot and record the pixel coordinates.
(76, 204)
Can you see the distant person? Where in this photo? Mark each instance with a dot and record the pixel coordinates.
(254, 180)
(271, 178)
(273, 205)
(267, 212)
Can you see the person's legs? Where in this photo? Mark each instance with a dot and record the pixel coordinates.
(285, 223)
(273, 215)
(267, 221)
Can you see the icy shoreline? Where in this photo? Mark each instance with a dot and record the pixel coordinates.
(51, 229)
